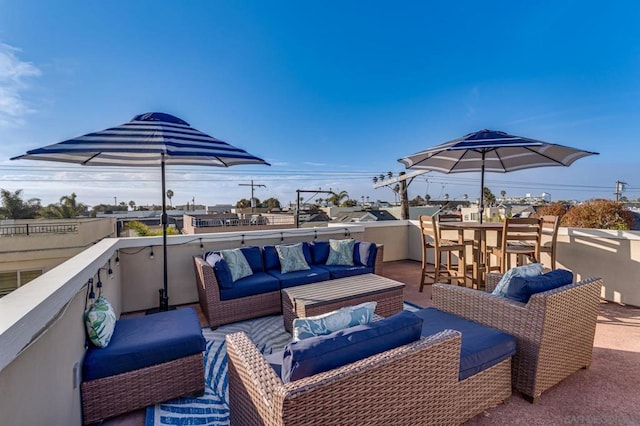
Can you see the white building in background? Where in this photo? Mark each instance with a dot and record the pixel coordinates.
(545, 197)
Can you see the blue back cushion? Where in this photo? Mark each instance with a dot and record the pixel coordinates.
(272, 261)
(482, 346)
(522, 288)
(320, 252)
(315, 355)
(220, 268)
(364, 253)
(145, 341)
(258, 283)
(254, 258)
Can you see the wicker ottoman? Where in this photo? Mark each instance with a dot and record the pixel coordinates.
(150, 359)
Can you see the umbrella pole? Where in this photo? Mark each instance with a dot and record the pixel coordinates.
(481, 209)
(164, 295)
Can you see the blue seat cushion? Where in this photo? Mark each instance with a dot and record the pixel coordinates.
(312, 275)
(482, 346)
(258, 283)
(145, 341)
(272, 261)
(341, 271)
(364, 253)
(522, 288)
(323, 353)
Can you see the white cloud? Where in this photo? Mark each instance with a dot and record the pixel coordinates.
(14, 74)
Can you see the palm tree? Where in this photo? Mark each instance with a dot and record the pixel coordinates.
(170, 196)
(336, 199)
(132, 204)
(67, 208)
(12, 206)
(503, 193)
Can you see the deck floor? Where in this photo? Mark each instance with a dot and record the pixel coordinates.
(606, 393)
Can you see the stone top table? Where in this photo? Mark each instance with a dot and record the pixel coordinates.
(322, 297)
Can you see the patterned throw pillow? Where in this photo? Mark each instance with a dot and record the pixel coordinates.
(237, 263)
(321, 325)
(525, 271)
(291, 258)
(341, 252)
(100, 321)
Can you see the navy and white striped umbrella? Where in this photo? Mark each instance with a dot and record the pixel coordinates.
(492, 151)
(151, 139)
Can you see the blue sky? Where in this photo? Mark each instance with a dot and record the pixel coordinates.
(330, 93)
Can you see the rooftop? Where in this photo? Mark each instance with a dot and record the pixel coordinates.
(42, 336)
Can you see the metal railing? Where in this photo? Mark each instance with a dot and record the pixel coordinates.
(254, 221)
(41, 228)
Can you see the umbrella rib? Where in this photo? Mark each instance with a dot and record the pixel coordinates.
(546, 156)
(84, 163)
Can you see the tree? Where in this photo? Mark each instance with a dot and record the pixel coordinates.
(143, 230)
(132, 204)
(270, 203)
(67, 208)
(557, 208)
(417, 201)
(336, 198)
(446, 197)
(599, 214)
(243, 204)
(503, 193)
(489, 198)
(14, 207)
(427, 198)
(170, 196)
(349, 203)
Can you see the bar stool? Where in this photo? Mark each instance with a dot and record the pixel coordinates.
(550, 225)
(431, 240)
(520, 237)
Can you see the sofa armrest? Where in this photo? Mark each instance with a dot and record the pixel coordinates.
(495, 311)
(377, 264)
(421, 374)
(207, 283)
(255, 391)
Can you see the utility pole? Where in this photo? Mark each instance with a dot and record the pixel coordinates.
(252, 185)
(620, 186)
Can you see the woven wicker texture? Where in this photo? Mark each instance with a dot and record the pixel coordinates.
(110, 396)
(554, 330)
(408, 385)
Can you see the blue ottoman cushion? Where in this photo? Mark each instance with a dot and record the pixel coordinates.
(145, 341)
(482, 346)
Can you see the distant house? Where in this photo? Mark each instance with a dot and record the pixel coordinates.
(364, 216)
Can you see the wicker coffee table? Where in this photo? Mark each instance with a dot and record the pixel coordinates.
(319, 298)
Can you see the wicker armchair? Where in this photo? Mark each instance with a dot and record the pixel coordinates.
(414, 384)
(554, 330)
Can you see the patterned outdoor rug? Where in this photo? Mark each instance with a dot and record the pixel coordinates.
(212, 408)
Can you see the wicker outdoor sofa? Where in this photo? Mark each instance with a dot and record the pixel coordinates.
(219, 311)
(554, 330)
(413, 384)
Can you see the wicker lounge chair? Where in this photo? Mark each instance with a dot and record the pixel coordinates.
(414, 384)
(554, 330)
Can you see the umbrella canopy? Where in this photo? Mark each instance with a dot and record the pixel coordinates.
(148, 140)
(492, 151)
